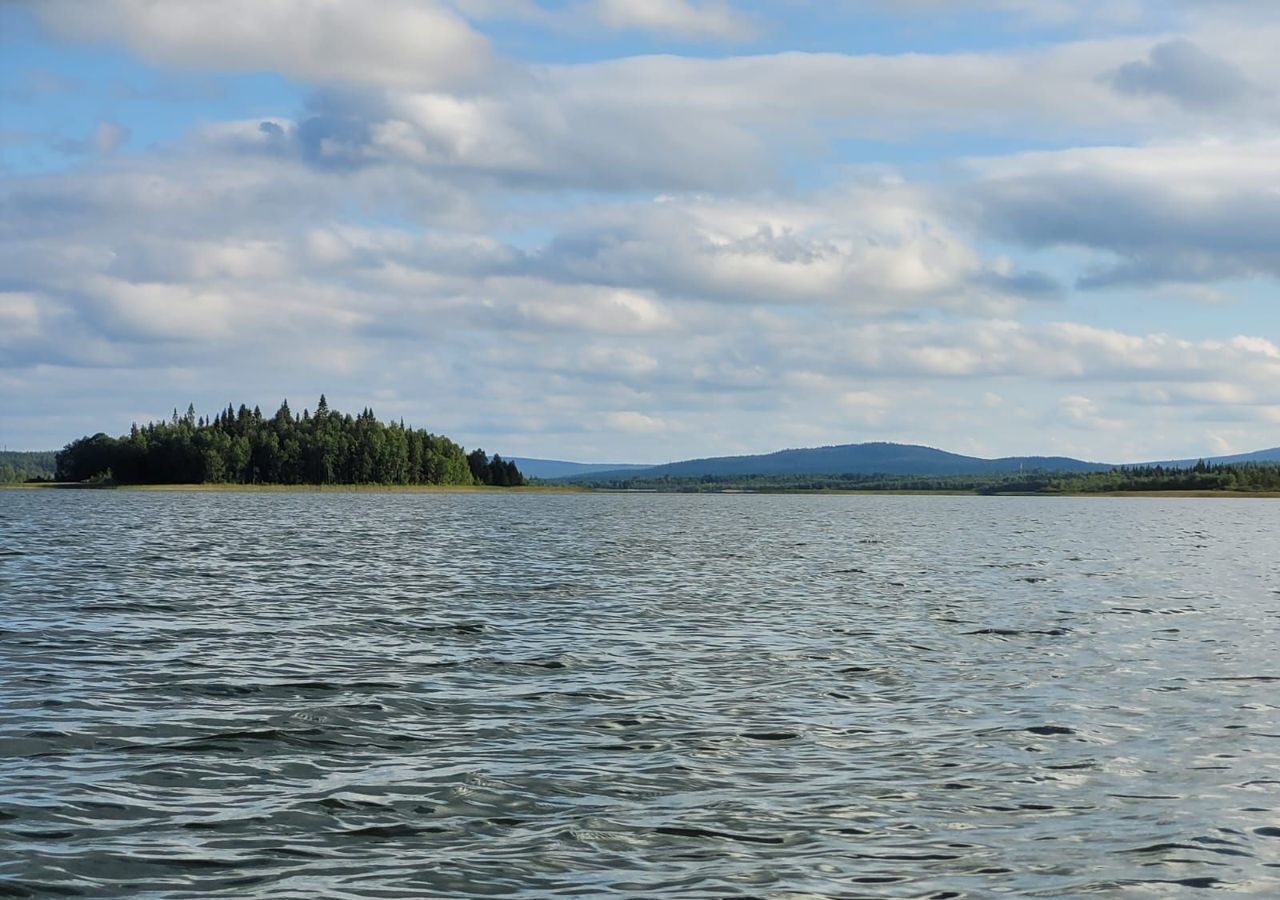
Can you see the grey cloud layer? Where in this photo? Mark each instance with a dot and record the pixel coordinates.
(1191, 213)
(407, 43)
(164, 274)
(714, 19)
(670, 123)
(1183, 72)
(609, 256)
(637, 316)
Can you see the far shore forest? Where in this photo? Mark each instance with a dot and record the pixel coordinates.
(242, 446)
(1203, 476)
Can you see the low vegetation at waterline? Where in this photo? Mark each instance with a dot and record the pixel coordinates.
(21, 465)
(245, 447)
(1239, 477)
(1234, 477)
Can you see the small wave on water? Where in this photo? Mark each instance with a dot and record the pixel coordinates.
(442, 695)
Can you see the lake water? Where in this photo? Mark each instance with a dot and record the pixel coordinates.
(521, 695)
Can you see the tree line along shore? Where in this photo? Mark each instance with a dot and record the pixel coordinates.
(242, 446)
(1203, 477)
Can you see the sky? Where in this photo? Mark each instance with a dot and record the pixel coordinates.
(648, 230)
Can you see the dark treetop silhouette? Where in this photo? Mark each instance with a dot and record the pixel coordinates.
(244, 447)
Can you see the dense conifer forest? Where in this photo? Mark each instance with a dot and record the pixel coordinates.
(1244, 477)
(242, 446)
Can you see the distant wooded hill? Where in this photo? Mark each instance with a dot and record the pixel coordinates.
(863, 459)
(559, 468)
(1257, 456)
(879, 458)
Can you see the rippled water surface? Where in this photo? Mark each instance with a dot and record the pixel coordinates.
(422, 695)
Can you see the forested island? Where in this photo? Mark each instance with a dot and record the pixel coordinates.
(1203, 476)
(242, 446)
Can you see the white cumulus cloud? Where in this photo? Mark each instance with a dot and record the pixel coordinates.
(409, 43)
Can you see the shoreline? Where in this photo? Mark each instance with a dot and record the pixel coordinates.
(296, 488)
(578, 489)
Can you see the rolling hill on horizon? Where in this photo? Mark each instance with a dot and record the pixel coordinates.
(873, 458)
(876, 458)
(1269, 455)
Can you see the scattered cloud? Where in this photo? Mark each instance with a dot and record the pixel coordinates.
(1184, 73)
(407, 43)
(1028, 12)
(1082, 412)
(108, 136)
(1085, 14)
(869, 248)
(20, 318)
(652, 256)
(1194, 213)
(632, 422)
(689, 19)
(727, 125)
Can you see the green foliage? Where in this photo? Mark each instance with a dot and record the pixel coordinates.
(243, 447)
(493, 471)
(18, 466)
(1243, 477)
(1203, 476)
